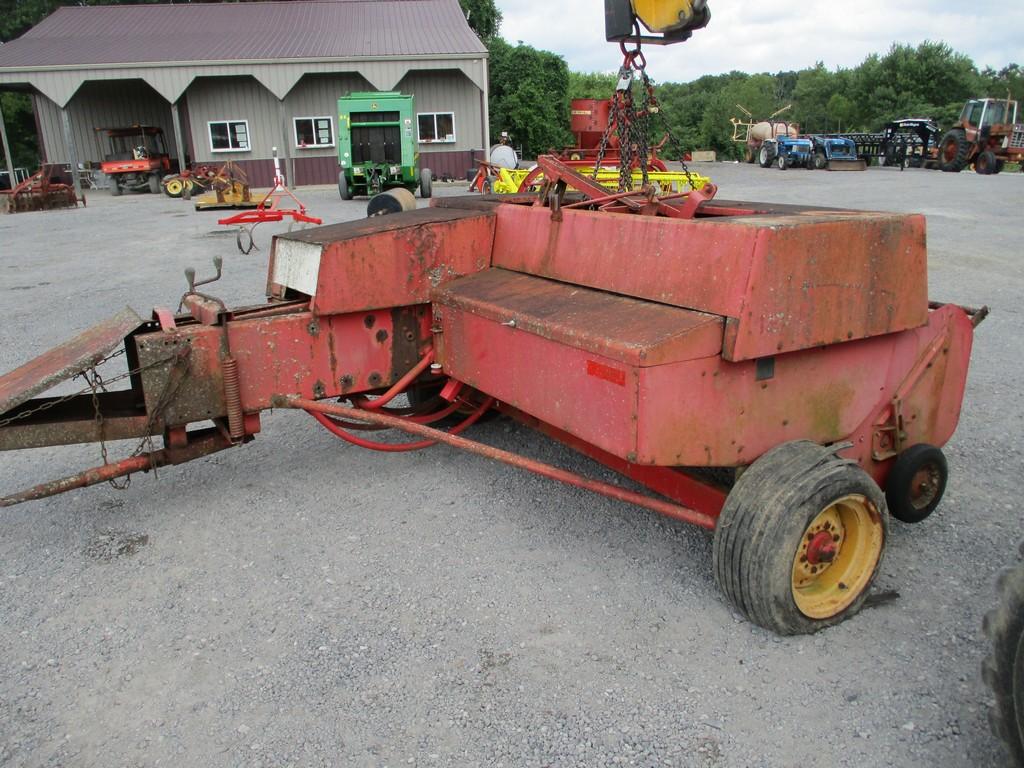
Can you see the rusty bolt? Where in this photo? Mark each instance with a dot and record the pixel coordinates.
(382, 336)
(375, 379)
(369, 320)
(347, 381)
(318, 390)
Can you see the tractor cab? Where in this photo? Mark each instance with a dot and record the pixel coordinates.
(134, 158)
(981, 113)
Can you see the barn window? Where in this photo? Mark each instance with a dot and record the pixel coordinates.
(313, 132)
(229, 135)
(436, 127)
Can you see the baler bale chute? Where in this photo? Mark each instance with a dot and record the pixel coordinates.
(773, 373)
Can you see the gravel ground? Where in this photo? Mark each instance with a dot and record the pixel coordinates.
(302, 602)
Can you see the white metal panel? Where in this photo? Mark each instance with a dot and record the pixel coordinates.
(296, 265)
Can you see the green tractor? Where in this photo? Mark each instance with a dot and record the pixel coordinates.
(377, 146)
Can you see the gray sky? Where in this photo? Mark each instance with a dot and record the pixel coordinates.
(775, 35)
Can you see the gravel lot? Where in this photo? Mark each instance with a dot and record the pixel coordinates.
(302, 602)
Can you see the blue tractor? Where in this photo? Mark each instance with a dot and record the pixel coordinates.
(787, 152)
(836, 153)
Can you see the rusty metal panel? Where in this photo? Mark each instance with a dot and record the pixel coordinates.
(825, 277)
(631, 331)
(384, 261)
(696, 264)
(585, 394)
(64, 361)
(293, 354)
(787, 280)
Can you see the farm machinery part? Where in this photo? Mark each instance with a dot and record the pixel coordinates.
(752, 133)
(136, 159)
(834, 153)
(193, 180)
(765, 370)
(502, 181)
(269, 208)
(39, 192)
(787, 152)
(987, 135)
(227, 187)
(377, 146)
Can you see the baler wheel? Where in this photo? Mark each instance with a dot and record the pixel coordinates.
(800, 539)
(1003, 668)
(916, 483)
(174, 186)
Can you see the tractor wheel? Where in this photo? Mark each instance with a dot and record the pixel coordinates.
(154, 184)
(916, 483)
(343, 188)
(800, 539)
(765, 155)
(1000, 164)
(425, 178)
(985, 163)
(174, 186)
(115, 187)
(820, 161)
(1003, 668)
(954, 151)
(783, 162)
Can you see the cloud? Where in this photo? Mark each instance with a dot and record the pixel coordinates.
(771, 37)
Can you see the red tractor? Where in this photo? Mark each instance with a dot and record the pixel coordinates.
(987, 135)
(136, 158)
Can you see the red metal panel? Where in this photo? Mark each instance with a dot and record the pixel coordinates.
(697, 264)
(544, 378)
(64, 361)
(390, 261)
(636, 332)
(824, 278)
(787, 281)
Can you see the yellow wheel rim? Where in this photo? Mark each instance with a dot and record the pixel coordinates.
(837, 556)
(174, 187)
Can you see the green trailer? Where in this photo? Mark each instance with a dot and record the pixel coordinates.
(377, 146)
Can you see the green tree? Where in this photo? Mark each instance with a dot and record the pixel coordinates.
(529, 96)
(483, 16)
(591, 85)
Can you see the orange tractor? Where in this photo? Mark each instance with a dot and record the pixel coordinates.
(136, 158)
(987, 135)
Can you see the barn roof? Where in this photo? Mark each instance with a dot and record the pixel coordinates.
(114, 35)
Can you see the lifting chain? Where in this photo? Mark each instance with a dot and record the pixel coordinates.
(632, 122)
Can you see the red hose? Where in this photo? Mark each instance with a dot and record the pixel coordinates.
(399, 386)
(400, 447)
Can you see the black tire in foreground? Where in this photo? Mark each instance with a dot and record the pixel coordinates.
(800, 539)
(426, 177)
(1003, 668)
(953, 151)
(916, 483)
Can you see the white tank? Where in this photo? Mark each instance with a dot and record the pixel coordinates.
(771, 130)
(503, 156)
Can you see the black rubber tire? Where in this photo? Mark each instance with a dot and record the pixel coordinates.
(766, 154)
(346, 192)
(1000, 164)
(115, 188)
(762, 524)
(154, 184)
(1003, 668)
(782, 162)
(426, 177)
(954, 151)
(899, 490)
(820, 162)
(985, 163)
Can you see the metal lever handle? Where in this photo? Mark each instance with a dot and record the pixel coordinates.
(190, 275)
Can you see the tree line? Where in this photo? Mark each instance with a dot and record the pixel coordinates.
(530, 89)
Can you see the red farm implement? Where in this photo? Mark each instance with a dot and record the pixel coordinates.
(42, 191)
(774, 373)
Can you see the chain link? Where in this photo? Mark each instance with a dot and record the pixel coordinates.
(632, 123)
